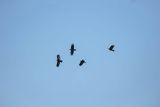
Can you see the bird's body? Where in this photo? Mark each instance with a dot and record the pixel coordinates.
(82, 62)
(58, 60)
(72, 49)
(111, 48)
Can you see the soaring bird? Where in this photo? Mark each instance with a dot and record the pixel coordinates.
(82, 62)
(58, 60)
(111, 48)
(72, 49)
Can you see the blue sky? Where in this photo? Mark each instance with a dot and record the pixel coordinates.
(33, 32)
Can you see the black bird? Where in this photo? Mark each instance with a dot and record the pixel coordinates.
(111, 48)
(82, 62)
(72, 49)
(58, 60)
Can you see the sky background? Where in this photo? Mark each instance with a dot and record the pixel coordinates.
(33, 32)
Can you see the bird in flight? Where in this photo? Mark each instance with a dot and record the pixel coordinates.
(111, 48)
(72, 49)
(82, 62)
(58, 60)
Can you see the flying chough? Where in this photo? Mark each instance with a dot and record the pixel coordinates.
(72, 49)
(111, 48)
(82, 62)
(58, 60)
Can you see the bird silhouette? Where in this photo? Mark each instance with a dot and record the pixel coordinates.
(72, 49)
(58, 60)
(82, 62)
(111, 48)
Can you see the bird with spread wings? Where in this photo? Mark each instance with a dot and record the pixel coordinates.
(72, 49)
(82, 62)
(111, 48)
(58, 60)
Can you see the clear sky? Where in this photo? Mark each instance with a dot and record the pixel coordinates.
(33, 32)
